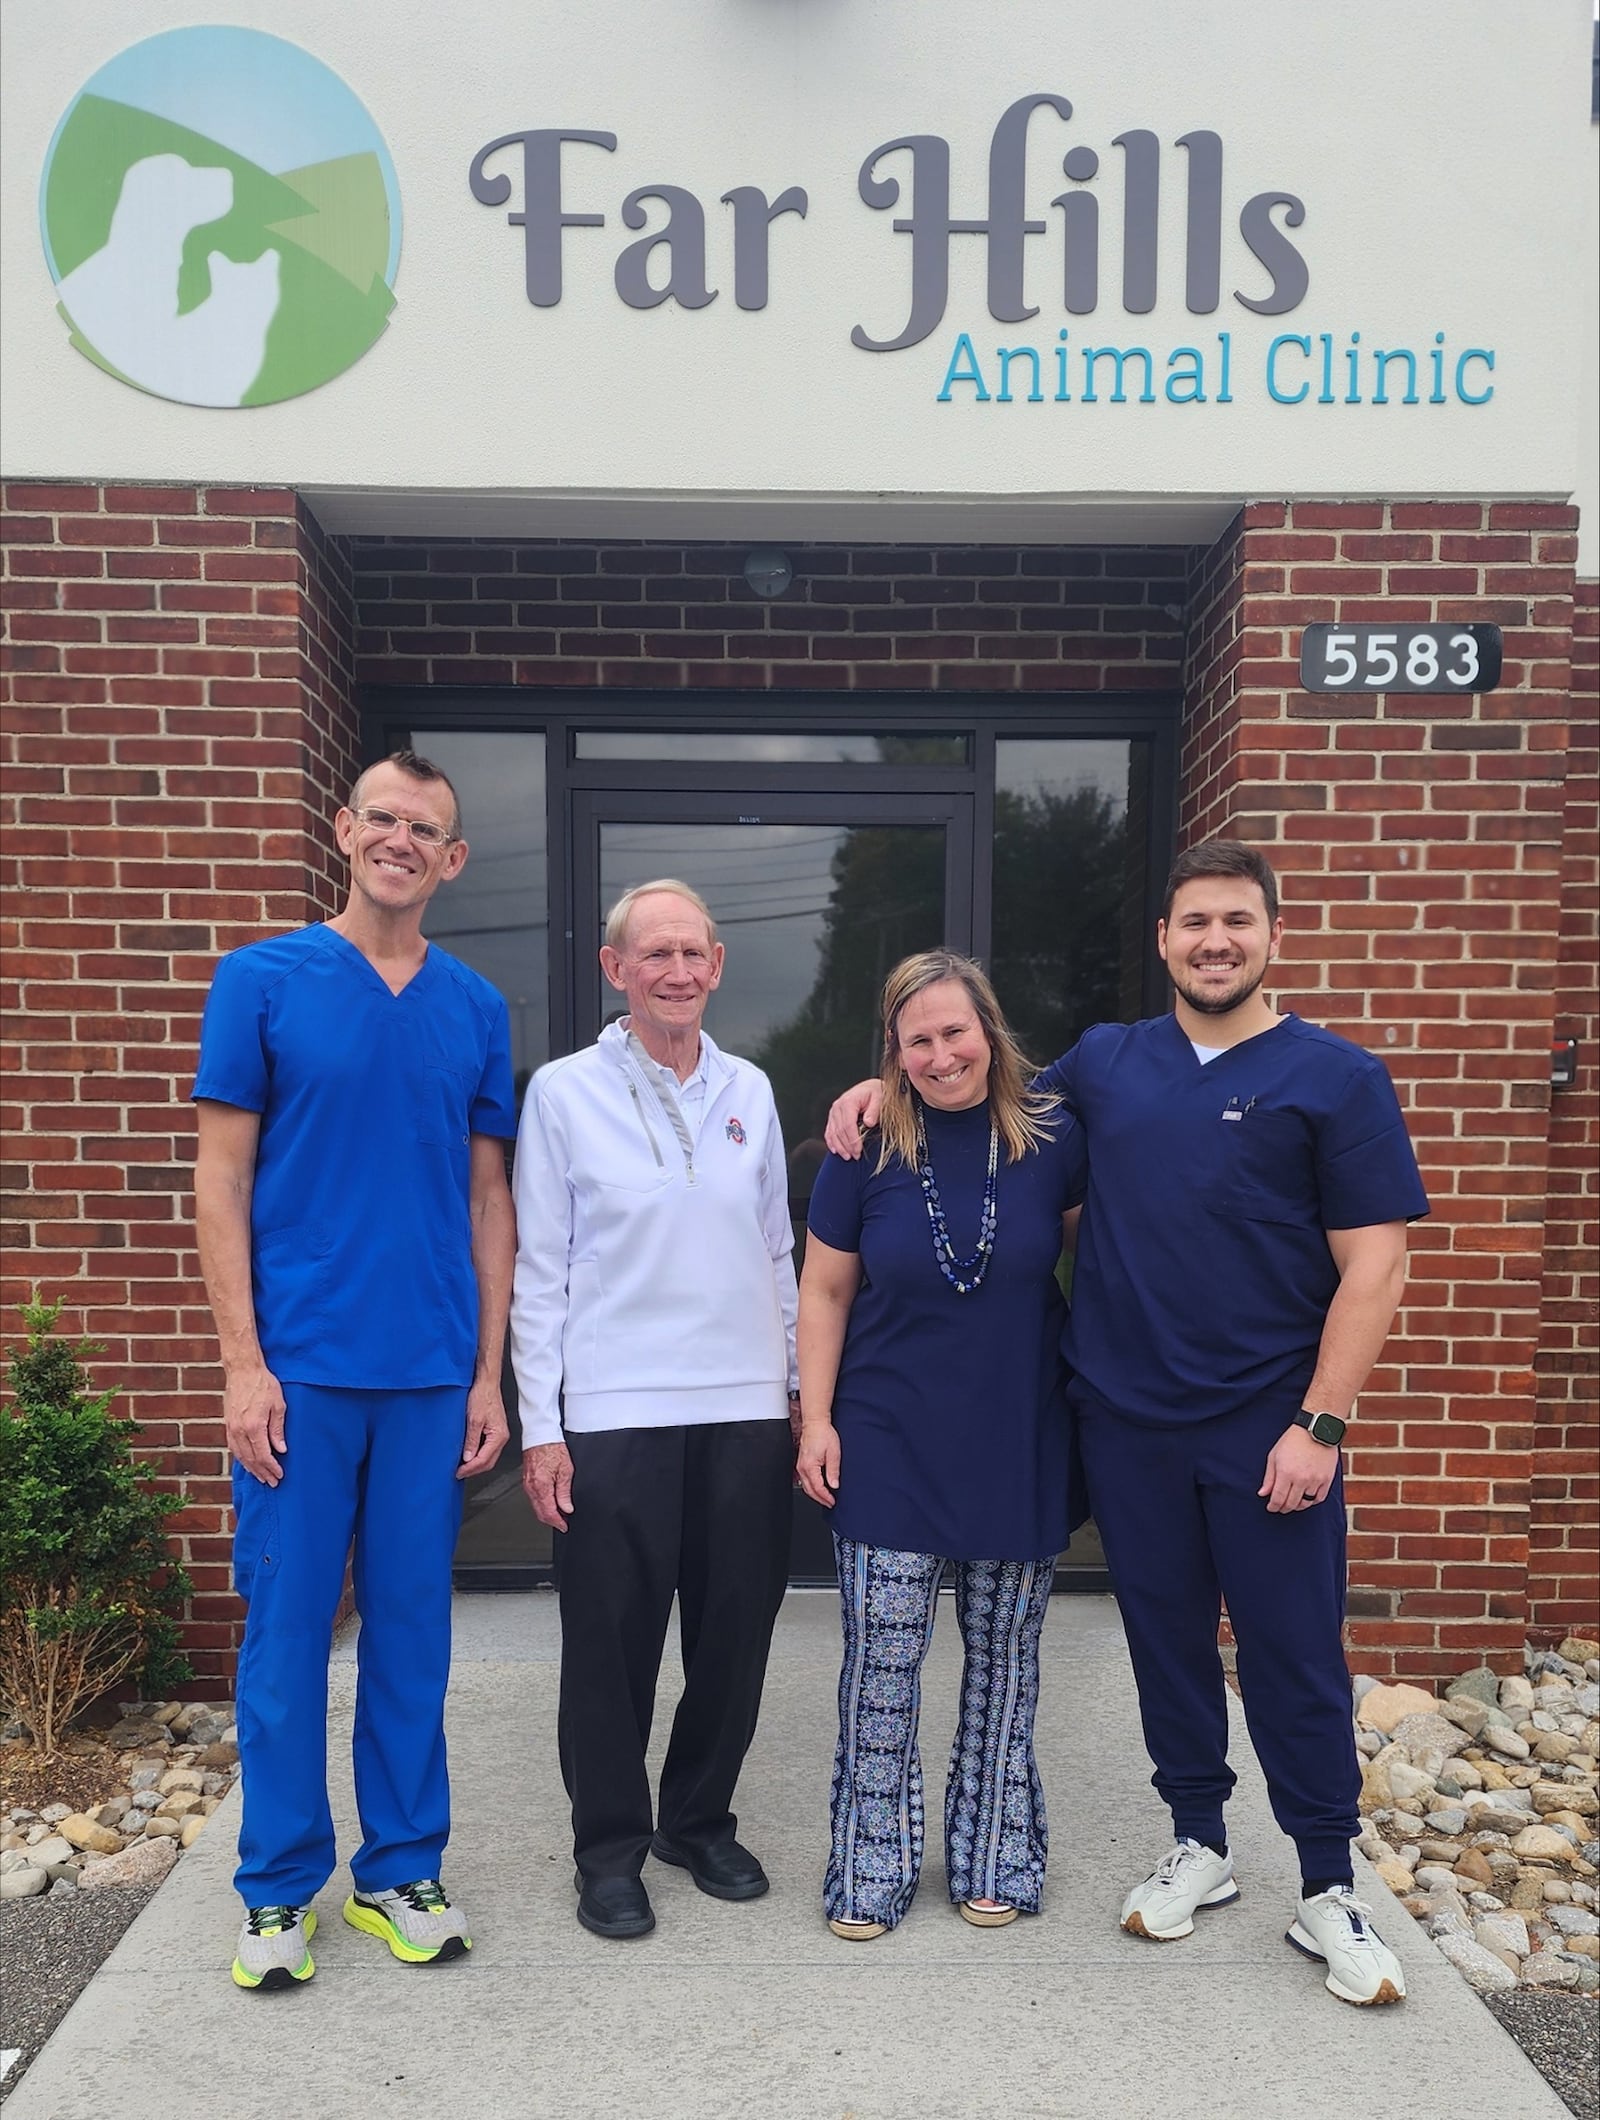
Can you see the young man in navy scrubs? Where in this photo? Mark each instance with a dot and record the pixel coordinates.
(356, 1237)
(1239, 1263)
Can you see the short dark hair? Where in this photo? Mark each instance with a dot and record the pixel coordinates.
(416, 767)
(1222, 857)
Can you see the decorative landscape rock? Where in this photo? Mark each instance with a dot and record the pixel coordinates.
(1384, 1706)
(1478, 1967)
(1542, 1843)
(176, 1761)
(1427, 1740)
(146, 1862)
(84, 1833)
(1479, 1810)
(1482, 1685)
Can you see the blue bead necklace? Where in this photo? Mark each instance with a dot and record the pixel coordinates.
(964, 1275)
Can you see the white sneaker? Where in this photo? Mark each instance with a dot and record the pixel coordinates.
(417, 1921)
(1163, 1907)
(275, 1947)
(1337, 1928)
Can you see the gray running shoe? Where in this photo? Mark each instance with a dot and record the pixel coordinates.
(275, 1947)
(416, 1921)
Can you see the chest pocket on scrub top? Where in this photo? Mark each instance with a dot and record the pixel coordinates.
(440, 1096)
(1269, 1169)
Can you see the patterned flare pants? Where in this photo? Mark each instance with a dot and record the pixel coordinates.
(994, 1823)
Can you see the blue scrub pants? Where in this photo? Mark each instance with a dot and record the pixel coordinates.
(376, 1467)
(1184, 1528)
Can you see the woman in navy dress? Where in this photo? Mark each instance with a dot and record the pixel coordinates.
(935, 1430)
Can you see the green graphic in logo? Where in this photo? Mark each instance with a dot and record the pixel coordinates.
(221, 219)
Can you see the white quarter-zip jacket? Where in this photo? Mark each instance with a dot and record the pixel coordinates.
(655, 1279)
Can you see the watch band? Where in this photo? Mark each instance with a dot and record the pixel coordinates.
(1321, 1427)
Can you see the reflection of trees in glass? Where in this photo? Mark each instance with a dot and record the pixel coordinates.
(886, 900)
(1060, 879)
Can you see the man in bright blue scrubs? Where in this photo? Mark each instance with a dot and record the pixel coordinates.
(1239, 1262)
(356, 1237)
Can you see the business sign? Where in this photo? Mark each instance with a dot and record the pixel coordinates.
(543, 174)
(1400, 658)
(221, 219)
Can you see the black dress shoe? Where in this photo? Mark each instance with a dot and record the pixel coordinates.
(614, 1906)
(726, 1871)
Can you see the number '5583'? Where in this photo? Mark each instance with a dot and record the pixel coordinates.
(1400, 658)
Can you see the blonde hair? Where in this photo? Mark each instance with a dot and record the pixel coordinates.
(1021, 1115)
(622, 912)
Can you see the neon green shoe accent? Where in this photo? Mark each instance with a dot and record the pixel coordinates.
(430, 1903)
(261, 1938)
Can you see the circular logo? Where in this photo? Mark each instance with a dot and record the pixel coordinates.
(221, 219)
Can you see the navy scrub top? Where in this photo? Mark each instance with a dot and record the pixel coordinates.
(360, 1233)
(1203, 1274)
(952, 1422)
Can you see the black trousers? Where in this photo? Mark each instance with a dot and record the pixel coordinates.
(702, 1512)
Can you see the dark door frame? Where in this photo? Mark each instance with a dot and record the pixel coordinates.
(961, 797)
(389, 713)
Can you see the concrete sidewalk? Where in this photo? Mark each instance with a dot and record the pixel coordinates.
(755, 2010)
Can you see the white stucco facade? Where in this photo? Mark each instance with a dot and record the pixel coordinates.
(1442, 150)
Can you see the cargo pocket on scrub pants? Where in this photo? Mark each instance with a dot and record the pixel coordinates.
(255, 1538)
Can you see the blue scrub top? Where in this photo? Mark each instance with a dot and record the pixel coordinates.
(953, 1435)
(1203, 1274)
(360, 1232)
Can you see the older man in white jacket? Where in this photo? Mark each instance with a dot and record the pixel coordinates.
(652, 1332)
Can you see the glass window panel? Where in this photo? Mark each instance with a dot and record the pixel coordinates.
(779, 747)
(1070, 840)
(495, 916)
(813, 916)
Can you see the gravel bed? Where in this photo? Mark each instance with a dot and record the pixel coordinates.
(49, 1950)
(1560, 2034)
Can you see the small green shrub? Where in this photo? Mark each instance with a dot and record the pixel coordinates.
(89, 1590)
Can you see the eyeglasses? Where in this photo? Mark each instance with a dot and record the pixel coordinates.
(422, 833)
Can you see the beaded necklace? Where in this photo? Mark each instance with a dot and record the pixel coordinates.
(964, 1275)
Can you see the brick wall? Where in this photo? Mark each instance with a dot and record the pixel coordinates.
(174, 700)
(1420, 844)
(1564, 1534)
(674, 617)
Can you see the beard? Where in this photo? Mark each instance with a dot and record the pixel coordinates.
(1214, 1004)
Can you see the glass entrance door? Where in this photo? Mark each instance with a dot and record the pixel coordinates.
(815, 898)
(1031, 835)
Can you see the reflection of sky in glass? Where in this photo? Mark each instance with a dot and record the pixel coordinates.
(768, 886)
(736, 747)
(1057, 765)
(495, 916)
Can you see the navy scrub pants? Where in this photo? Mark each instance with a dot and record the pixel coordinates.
(1184, 1528)
(376, 1467)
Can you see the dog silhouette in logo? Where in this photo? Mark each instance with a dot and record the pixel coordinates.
(124, 299)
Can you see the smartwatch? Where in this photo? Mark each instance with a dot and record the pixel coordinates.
(1321, 1427)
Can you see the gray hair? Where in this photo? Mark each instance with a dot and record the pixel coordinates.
(622, 912)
